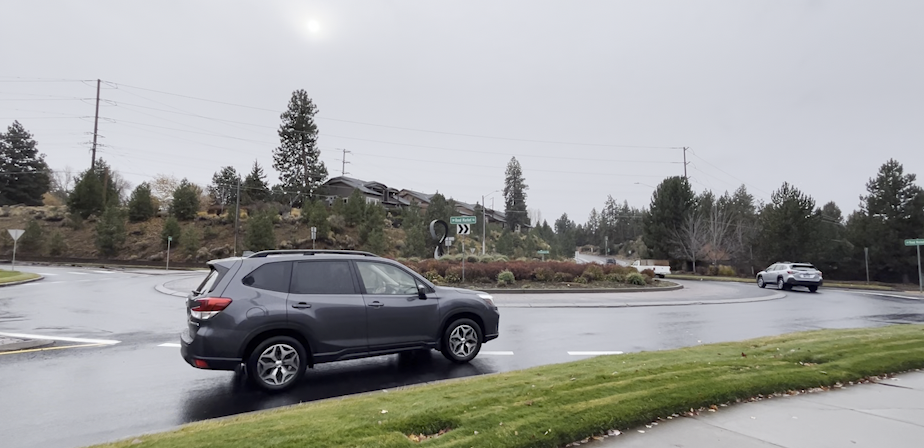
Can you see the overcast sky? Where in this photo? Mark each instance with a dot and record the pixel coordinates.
(590, 96)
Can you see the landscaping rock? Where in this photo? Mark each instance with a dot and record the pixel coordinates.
(202, 254)
(221, 252)
(157, 257)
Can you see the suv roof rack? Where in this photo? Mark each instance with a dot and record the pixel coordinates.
(265, 253)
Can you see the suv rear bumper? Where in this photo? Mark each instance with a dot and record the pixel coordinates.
(795, 282)
(191, 350)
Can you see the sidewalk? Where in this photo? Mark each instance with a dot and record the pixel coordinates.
(888, 413)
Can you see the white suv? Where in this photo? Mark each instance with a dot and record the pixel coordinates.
(785, 275)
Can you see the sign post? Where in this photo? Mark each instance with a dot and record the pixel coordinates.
(463, 227)
(15, 233)
(169, 240)
(314, 235)
(918, 243)
(543, 253)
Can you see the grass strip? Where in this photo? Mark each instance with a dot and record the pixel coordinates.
(828, 283)
(553, 405)
(15, 276)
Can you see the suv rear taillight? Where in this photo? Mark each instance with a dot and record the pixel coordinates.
(208, 307)
(790, 272)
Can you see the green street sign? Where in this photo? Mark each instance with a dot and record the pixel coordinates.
(463, 220)
(169, 239)
(542, 252)
(915, 242)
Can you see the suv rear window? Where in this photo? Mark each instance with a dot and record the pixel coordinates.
(323, 277)
(270, 276)
(803, 267)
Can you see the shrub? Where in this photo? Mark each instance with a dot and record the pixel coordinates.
(260, 233)
(615, 278)
(563, 277)
(727, 271)
(336, 222)
(185, 204)
(636, 278)
(32, 240)
(209, 234)
(314, 214)
(453, 274)
(520, 269)
(171, 229)
(57, 246)
(141, 204)
(593, 273)
(74, 221)
(190, 240)
(701, 270)
(434, 277)
(110, 232)
(543, 275)
(712, 271)
(648, 273)
(506, 278)
(582, 280)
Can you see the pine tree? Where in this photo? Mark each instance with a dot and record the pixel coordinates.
(297, 159)
(141, 204)
(185, 204)
(57, 246)
(223, 189)
(355, 208)
(171, 232)
(110, 232)
(190, 240)
(440, 208)
(416, 239)
(32, 240)
(93, 191)
(515, 195)
(373, 223)
(671, 204)
(261, 235)
(315, 214)
(790, 227)
(565, 235)
(24, 176)
(254, 189)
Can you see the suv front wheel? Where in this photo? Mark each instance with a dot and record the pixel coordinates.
(461, 341)
(277, 363)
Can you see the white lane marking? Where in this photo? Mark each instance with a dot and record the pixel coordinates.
(60, 338)
(170, 344)
(78, 273)
(45, 274)
(104, 272)
(501, 353)
(593, 353)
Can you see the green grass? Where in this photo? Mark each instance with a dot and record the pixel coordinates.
(15, 276)
(828, 283)
(553, 405)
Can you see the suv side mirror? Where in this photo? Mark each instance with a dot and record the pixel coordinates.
(421, 291)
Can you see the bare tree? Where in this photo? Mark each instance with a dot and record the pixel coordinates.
(162, 188)
(718, 235)
(62, 181)
(690, 237)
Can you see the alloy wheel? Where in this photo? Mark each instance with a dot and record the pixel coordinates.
(278, 364)
(463, 340)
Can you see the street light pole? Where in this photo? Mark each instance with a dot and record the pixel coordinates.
(866, 257)
(484, 224)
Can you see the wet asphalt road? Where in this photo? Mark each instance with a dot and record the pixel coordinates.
(82, 395)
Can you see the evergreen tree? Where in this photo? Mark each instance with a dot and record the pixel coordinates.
(185, 204)
(440, 208)
(93, 191)
(416, 231)
(141, 204)
(171, 230)
(373, 222)
(57, 246)
(223, 189)
(314, 214)
(790, 227)
(297, 159)
(565, 234)
(190, 240)
(478, 227)
(254, 189)
(32, 240)
(355, 208)
(515, 195)
(892, 212)
(671, 204)
(24, 176)
(110, 232)
(261, 234)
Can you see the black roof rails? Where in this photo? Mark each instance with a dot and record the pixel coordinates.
(265, 253)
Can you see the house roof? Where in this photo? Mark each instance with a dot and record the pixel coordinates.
(355, 183)
(421, 197)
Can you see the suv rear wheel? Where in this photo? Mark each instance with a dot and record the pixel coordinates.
(462, 341)
(277, 363)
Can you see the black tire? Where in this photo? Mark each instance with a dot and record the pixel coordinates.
(660, 275)
(781, 285)
(286, 377)
(813, 289)
(761, 283)
(469, 330)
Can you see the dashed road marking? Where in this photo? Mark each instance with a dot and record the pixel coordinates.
(501, 353)
(104, 272)
(78, 273)
(598, 353)
(60, 338)
(45, 274)
(170, 344)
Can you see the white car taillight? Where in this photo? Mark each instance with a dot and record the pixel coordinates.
(209, 307)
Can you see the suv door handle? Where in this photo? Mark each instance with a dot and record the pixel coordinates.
(301, 305)
(376, 304)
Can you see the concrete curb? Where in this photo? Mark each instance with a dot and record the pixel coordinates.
(581, 290)
(164, 290)
(891, 295)
(25, 345)
(776, 296)
(22, 282)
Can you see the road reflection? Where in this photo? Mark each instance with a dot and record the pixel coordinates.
(234, 395)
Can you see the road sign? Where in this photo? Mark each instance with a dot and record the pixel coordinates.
(463, 229)
(542, 252)
(314, 233)
(463, 220)
(912, 242)
(169, 239)
(15, 233)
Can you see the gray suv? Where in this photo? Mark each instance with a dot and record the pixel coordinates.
(785, 275)
(278, 312)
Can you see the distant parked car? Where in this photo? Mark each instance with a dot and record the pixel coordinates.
(786, 275)
(660, 271)
(279, 312)
(610, 261)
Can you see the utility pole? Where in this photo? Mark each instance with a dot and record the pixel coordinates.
(237, 214)
(685, 163)
(484, 223)
(344, 162)
(95, 126)
(866, 257)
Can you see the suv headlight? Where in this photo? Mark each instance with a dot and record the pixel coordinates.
(488, 299)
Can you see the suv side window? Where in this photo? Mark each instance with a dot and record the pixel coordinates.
(323, 277)
(270, 276)
(382, 278)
